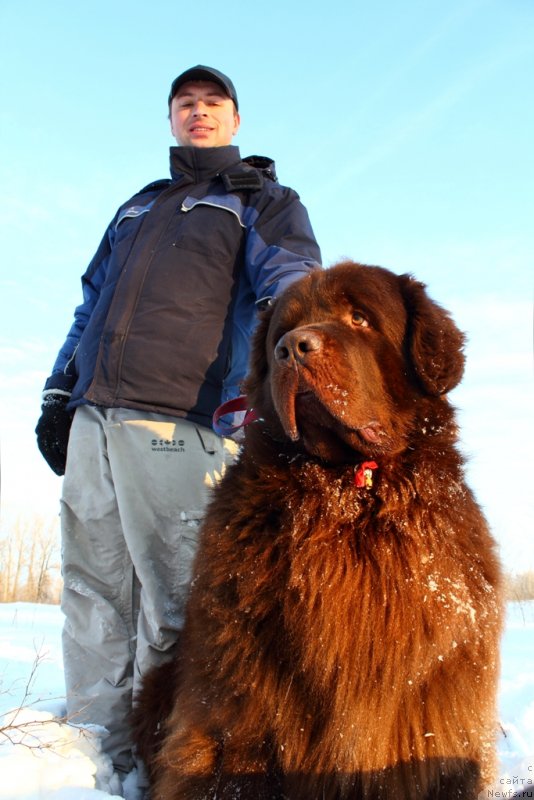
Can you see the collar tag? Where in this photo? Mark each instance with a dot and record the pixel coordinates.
(363, 475)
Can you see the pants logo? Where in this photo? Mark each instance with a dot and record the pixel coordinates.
(168, 446)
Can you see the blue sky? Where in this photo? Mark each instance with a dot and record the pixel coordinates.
(406, 127)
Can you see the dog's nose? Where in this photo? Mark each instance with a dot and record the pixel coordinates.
(296, 345)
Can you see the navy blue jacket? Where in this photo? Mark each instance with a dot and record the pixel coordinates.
(169, 298)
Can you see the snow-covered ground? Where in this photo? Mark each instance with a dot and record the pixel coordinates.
(42, 759)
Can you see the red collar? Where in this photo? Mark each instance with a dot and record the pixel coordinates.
(231, 406)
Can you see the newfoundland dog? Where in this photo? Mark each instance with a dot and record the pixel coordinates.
(343, 628)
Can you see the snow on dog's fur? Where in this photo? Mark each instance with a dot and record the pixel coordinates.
(343, 628)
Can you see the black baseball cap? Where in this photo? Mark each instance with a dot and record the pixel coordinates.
(201, 73)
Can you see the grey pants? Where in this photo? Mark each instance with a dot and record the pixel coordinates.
(134, 492)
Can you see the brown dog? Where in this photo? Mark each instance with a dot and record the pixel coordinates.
(343, 629)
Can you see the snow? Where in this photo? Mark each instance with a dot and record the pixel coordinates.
(43, 758)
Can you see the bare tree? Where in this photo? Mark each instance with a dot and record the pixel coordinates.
(520, 587)
(30, 561)
(11, 725)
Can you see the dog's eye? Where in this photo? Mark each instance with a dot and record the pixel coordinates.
(358, 320)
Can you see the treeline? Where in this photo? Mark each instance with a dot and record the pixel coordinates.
(520, 587)
(30, 568)
(30, 565)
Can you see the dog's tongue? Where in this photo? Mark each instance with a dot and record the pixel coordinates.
(371, 433)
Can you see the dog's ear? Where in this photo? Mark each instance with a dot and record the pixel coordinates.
(257, 366)
(434, 342)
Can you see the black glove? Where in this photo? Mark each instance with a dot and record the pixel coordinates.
(53, 431)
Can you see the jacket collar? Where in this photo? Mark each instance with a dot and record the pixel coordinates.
(200, 164)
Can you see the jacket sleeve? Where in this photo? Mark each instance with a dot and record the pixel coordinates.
(281, 246)
(63, 375)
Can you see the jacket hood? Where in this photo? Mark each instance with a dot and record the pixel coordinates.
(202, 163)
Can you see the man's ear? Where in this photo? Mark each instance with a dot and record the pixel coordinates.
(237, 122)
(435, 345)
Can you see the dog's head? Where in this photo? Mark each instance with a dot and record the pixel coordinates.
(348, 360)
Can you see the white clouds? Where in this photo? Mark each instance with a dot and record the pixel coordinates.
(408, 124)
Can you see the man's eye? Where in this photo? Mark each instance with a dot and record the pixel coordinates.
(358, 320)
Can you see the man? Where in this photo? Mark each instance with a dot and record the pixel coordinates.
(160, 340)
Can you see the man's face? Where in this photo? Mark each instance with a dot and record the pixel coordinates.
(202, 115)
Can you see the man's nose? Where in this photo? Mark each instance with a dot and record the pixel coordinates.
(199, 109)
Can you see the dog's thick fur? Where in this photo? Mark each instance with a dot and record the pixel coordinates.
(341, 641)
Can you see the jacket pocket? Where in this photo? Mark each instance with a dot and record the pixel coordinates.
(210, 227)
